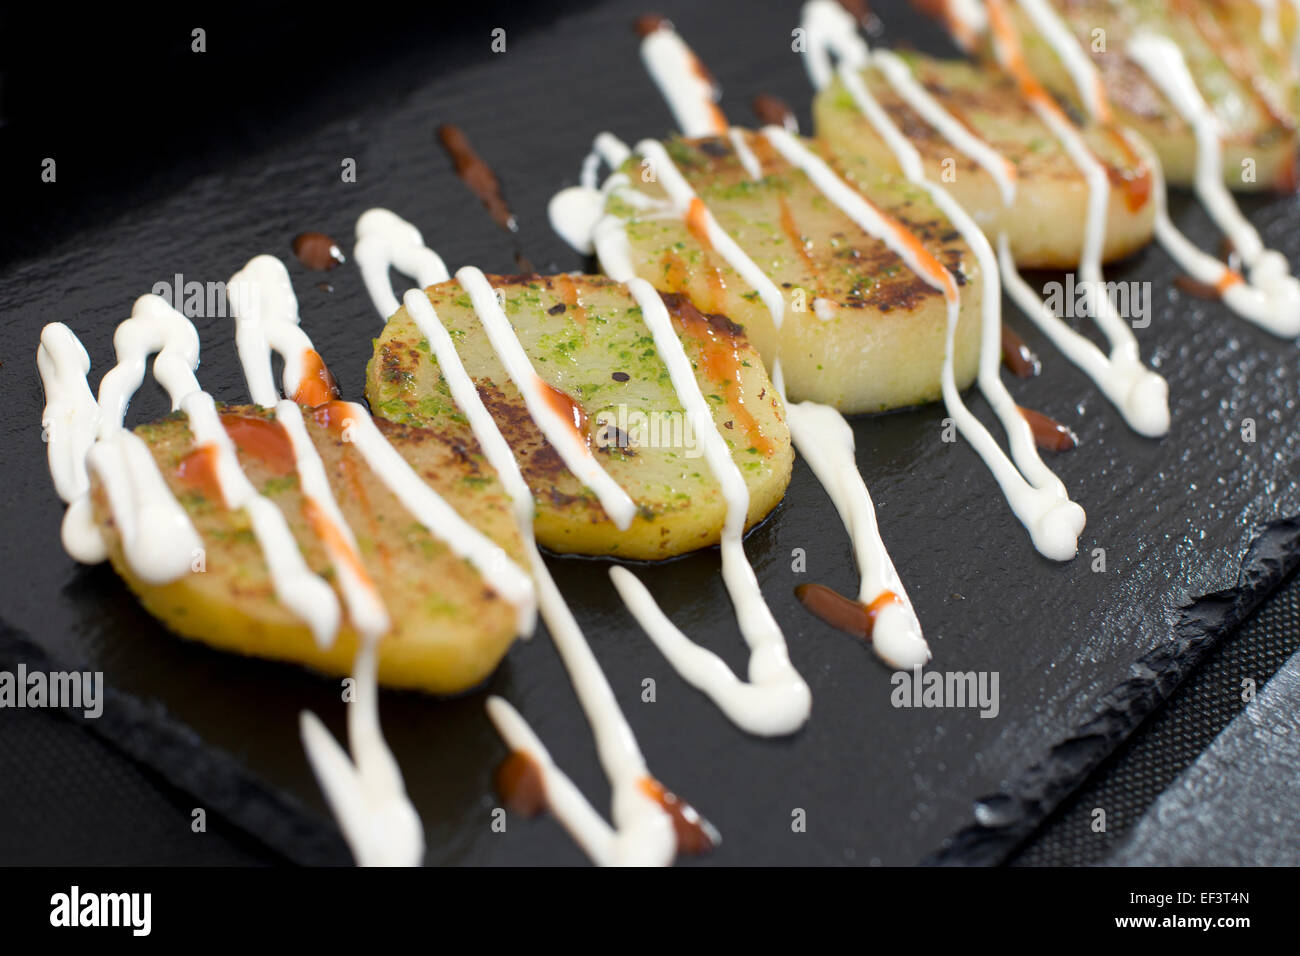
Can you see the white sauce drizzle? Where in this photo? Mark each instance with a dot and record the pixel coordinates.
(1140, 395)
(560, 431)
(775, 700)
(272, 323)
(69, 423)
(384, 241)
(644, 831)
(297, 587)
(1040, 503)
(1271, 298)
(1268, 269)
(676, 71)
(682, 196)
(428, 507)
(367, 797)
(820, 433)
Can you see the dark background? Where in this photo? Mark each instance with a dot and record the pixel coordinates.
(173, 161)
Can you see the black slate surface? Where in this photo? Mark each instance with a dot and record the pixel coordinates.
(1175, 516)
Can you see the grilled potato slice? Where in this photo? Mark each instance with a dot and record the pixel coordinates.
(861, 331)
(586, 338)
(450, 629)
(1249, 83)
(1045, 226)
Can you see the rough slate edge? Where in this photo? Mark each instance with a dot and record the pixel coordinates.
(1012, 815)
(144, 733)
(1215, 813)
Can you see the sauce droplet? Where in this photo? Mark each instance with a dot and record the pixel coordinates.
(845, 614)
(263, 439)
(568, 407)
(317, 385)
(475, 173)
(317, 251)
(772, 111)
(648, 24)
(1017, 356)
(1049, 434)
(335, 417)
(1205, 290)
(198, 471)
(519, 783)
(695, 835)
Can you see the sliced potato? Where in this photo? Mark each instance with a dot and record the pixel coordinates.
(586, 338)
(1045, 226)
(1250, 84)
(450, 629)
(861, 331)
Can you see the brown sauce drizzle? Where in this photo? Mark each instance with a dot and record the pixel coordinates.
(695, 835)
(317, 385)
(717, 339)
(1205, 290)
(648, 24)
(844, 614)
(568, 408)
(1017, 356)
(262, 438)
(317, 251)
(475, 173)
(772, 110)
(198, 471)
(1049, 434)
(519, 783)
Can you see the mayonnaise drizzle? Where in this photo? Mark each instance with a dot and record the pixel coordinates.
(266, 318)
(384, 241)
(1139, 394)
(367, 797)
(560, 431)
(684, 85)
(644, 831)
(1035, 494)
(1268, 269)
(1271, 298)
(69, 424)
(775, 700)
(820, 433)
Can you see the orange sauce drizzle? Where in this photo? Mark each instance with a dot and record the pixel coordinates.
(335, 541)
(263, 439)
(695, 835)
(198, 471)
(568, 408)
(317, 385)
(722, 365)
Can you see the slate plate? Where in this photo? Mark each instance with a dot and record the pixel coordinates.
(877, 784)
